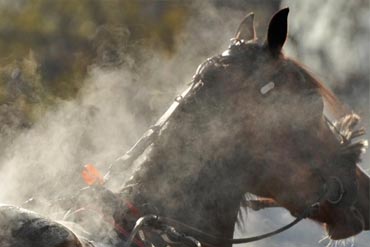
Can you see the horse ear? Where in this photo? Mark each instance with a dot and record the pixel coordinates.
(246, 29)
(277, 31)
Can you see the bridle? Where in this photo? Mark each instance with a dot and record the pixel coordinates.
(166, 225)
(168, 228)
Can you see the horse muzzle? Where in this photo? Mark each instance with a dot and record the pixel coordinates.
(347, 223)
(346, 212)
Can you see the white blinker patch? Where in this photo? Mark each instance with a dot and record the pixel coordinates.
(267, 88)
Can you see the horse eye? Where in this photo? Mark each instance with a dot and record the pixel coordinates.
(267, 88)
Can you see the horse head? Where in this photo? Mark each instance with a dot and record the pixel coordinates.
(284, 146)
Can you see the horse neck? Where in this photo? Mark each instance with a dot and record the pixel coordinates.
(186, 178)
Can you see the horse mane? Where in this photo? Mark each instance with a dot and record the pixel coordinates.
(334, 106)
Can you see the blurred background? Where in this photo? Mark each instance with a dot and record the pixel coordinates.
(80, 81)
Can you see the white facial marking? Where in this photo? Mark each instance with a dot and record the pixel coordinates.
(267, 88)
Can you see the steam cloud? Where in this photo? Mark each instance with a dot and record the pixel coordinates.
(101, 124)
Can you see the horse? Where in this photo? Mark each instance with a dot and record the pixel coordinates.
(252, 121)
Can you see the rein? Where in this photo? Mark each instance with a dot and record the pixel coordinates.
(160, 222)
(167, 226)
